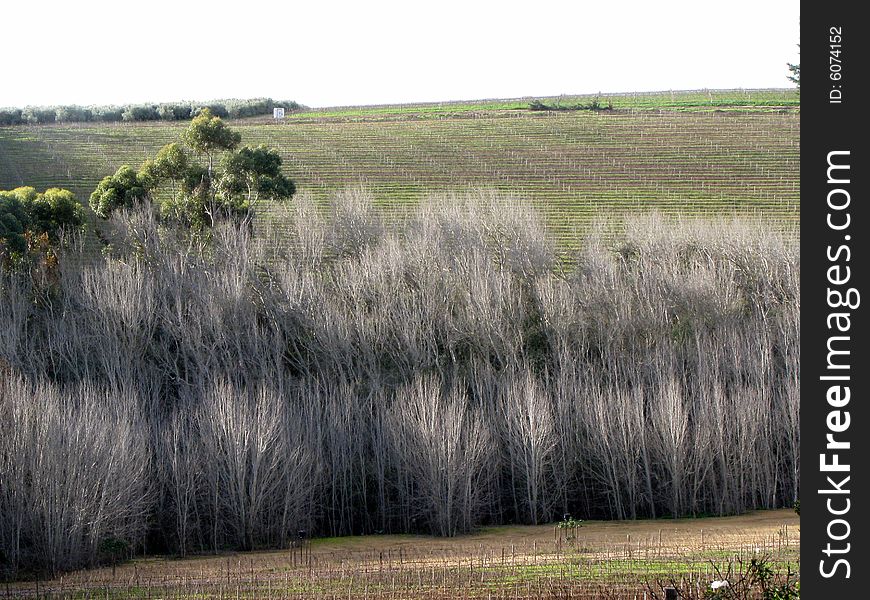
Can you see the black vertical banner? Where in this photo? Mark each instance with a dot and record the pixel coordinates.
(835, 224)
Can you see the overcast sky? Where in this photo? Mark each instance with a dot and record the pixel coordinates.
(375, 52)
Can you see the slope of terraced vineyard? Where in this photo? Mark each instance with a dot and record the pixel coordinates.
(575, 166)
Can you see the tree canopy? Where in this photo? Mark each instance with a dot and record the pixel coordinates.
(171, 163)
(795, 70)
(230, 185)
(208, 134)
(167, 111)
(251, 174)
(124, 188)
(795, 76)
(25, 211)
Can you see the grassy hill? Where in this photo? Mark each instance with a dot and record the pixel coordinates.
(696, 153)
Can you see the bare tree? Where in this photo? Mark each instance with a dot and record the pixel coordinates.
(528, 432)
(333, 371)
(79, 476)
(446, 448)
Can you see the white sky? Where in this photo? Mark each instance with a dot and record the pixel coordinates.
(323, 53)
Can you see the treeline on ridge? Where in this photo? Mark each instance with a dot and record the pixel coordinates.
(166, 111)
(326, 373)
(594, 105)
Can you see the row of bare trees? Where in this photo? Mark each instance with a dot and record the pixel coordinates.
(330, 374)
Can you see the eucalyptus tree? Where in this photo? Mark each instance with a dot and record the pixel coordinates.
(170, 163)
(24, 210)
(125, 188)
(208, 135)
(249, 175)
(199, 196)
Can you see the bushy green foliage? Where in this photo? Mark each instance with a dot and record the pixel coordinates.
(25, 211)
(113, 549)
(190, 207)
(763, 575)
(124, 188)
(53, 210)
(174, 111)
(13, 222)
(140, 112)
(11, 116)
(217, 110)
(208, 134)
(251, 174)
(594, 105)
(108, 114)
(167, 111)
(196, 195)
(170, 163)
(238, 109)
(189, 197)
(37, 114)
(73, 114)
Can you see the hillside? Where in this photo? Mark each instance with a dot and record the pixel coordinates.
(686, 152)
(324, 375)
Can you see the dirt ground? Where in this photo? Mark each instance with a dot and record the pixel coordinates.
(395, 564)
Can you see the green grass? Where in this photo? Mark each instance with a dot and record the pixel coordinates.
(701, 100)
(693, 153)
(617, 570)
(614, 570)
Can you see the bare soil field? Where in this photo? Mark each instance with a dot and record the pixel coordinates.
(615, 559)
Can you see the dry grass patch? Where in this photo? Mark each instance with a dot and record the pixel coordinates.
(613, 559)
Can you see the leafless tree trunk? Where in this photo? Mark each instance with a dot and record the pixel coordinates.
(528, 432)
(446, 449)
(331, 371)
